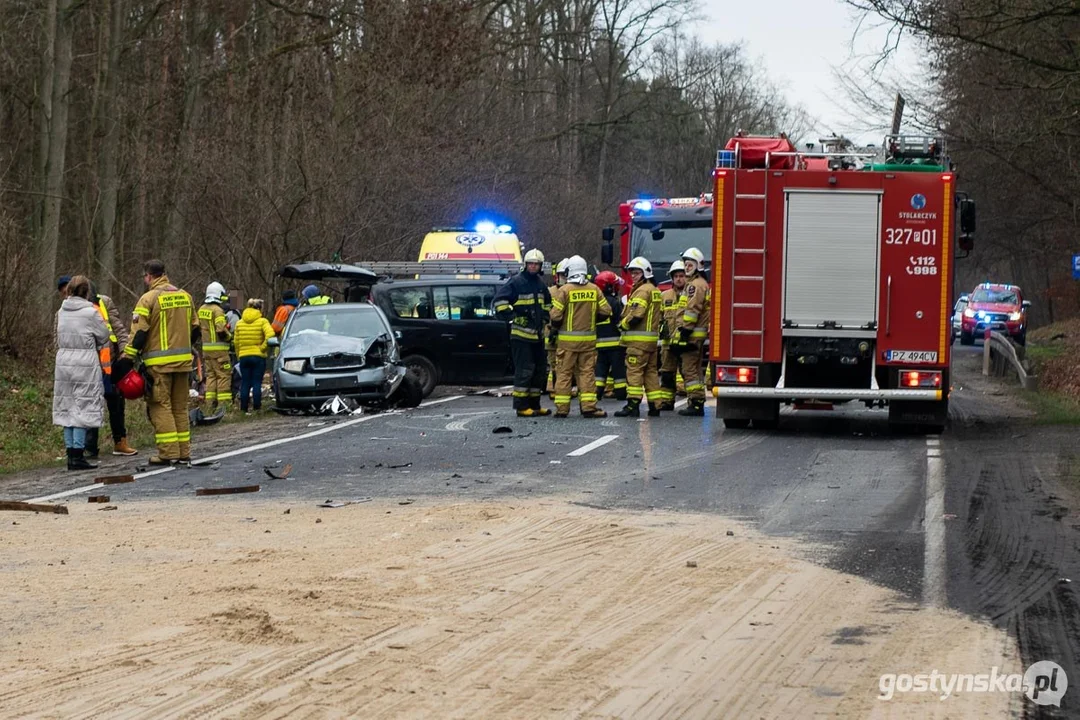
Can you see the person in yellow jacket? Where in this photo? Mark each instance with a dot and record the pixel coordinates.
(671, 342)
(251, 339)
(574, 309)
(640, 325)
(693, 330)
(214, 329)
(164, 329)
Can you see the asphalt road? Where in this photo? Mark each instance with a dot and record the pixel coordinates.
(978, 519)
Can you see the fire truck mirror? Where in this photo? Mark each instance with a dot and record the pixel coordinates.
(967, 216)
(608, 234)
(967, 243)
(607, 252)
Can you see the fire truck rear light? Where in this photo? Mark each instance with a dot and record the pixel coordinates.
(946, 177)
(920, 379)
(736, 375)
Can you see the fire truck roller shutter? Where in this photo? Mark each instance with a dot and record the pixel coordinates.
(832, 259)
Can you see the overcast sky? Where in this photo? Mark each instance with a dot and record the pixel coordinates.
(800, 42)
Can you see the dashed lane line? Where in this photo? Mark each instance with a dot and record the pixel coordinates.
(598, 442)
(246, 450)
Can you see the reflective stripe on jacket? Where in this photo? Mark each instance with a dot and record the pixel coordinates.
(574, 309)
(641, 319)
(525, 302)
(214, 328)
(167, 315)
(695, 302)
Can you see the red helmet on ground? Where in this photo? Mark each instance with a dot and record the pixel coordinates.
(606, 280)
(132, 386)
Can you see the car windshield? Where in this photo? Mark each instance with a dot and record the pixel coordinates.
(359, 322)
(678, 236)
(995, 295)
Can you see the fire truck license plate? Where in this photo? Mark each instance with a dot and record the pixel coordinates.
(911, 356)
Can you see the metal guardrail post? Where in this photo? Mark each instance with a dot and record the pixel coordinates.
(986, 352)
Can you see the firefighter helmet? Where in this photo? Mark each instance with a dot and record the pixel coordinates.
(132, 386)
(695, 255)
(215, 293)
(607, 280)
(677, 266)
(577, 270)
(560, 269)
(640, 263)
(534, 256)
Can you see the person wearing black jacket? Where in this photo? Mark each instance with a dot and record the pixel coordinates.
(610, 354)
(525, 302)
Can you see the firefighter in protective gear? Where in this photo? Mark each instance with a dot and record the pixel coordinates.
(671, 343)
(610, 354)
(693, 329)
(164, 329)
(575, 308)
(525, 302)
(640, 326)
(213, 327)
(550, 333)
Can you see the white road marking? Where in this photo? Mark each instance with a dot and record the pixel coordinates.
(245, 450)
(934, 561)
(599, 442)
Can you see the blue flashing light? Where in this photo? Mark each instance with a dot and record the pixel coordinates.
(643, 206)
(981, 315)
(505, 229)
(485, 226)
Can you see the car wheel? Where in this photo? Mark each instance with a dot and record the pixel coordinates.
(409, 393)
(966, 338)
(423, 371)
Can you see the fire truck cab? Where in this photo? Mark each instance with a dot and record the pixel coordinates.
(660, 229)
(832, 278)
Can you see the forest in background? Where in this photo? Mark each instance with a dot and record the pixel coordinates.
(231, 137)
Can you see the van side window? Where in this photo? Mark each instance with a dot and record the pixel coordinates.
(471, 302)
(411, 302)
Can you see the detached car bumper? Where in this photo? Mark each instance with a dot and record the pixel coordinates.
(364, 385)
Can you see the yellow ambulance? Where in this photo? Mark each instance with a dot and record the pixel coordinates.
(486, 242)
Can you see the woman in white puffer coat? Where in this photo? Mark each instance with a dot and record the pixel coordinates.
(78, 390)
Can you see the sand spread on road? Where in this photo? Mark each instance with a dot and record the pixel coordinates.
(230, 607)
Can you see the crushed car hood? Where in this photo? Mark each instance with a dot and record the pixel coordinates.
(310, 344)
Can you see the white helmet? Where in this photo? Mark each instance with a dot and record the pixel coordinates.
(677, 266)
(577, 270)
(560, 269)
(695, 255)
(534, 256)
(640, 263)
(215, 292)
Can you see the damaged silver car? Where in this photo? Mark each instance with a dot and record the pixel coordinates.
(346, 350)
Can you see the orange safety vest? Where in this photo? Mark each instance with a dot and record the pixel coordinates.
(105, 354)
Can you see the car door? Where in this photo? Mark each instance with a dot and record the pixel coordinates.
(478, 338)
(411, 312)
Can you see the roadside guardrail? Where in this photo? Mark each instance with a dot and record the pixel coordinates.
(1000, 357)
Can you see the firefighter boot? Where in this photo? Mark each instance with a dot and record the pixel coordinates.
(667, 384)
(654, 410)
(595, 413)
(694, 408)
(600, 387)
(631, 409)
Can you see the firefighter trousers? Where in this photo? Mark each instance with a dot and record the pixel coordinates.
(611, 363)
(576, 364)
(641, 374)
(530, 373)
(669, 368)
(691, 370)
(218, 377)
(167, 407)
(551, 367)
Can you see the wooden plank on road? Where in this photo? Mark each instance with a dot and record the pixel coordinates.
(32, 507)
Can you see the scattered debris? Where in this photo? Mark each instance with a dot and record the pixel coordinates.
(204, 465)
(249, 519)
(731, 533)
(669, 487)
(555, 462)
(284, 472)
(396, 647)
(108, 507)
(98, 499)
(1064, 580)
(287, 511)
(949, 516)
(406, 501)
(342, 503)
(318, 520)
(396, 467)
(488, 393)
(833, 487)
(338, 405)
(227, 490)
(691, 563)
(455, 475)
(519, 437)
(32, 507)
(500, 447)
(115, 479)
(196, 416)
(502, 429)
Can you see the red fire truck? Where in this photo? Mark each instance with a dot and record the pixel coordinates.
(832, 279)
(659, 230)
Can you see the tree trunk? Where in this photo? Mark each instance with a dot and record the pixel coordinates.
(45, 117)
(107, 236)
(54, 168)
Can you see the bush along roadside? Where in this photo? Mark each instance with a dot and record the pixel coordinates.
(1054, 352)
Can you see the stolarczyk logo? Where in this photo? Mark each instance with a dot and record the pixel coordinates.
(1043, 683)
(918, 201)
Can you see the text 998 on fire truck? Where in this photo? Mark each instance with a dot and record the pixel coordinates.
(832, 277)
